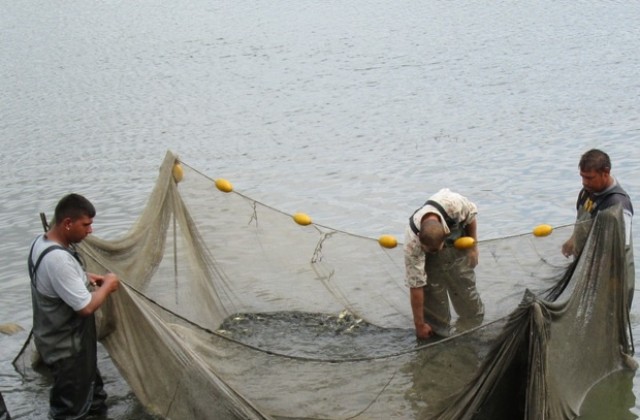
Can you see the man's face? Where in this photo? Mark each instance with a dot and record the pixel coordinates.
(79, 229)
(595, 181)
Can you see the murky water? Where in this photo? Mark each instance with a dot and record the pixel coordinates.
(351, 111)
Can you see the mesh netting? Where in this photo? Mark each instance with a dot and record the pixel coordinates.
(229, 309)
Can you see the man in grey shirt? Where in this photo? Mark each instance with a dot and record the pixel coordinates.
(64, 299)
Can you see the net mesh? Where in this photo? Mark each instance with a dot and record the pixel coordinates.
(229, 309)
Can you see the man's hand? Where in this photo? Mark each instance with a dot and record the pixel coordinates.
(95, 279)
(424, 331)
(568, 248)
(472, 255)
(109, 281)
(105, 285)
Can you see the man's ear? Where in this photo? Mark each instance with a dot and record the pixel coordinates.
(67, 222)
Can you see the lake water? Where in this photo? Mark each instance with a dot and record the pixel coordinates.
(350, 111)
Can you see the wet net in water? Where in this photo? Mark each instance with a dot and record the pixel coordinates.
(229, 309)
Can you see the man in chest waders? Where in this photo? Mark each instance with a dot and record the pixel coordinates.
(436, 271)
(600, 191)
(64, 328)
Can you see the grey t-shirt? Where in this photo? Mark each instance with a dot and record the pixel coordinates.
(60, 275)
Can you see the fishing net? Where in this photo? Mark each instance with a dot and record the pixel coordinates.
(230, 309)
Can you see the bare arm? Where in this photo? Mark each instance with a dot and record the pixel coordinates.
(472, 230)
(423, 330)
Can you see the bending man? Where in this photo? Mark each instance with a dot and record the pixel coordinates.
(436, 271)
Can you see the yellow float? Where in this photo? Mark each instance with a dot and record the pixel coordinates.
(387, 241)
(177, 172)
(224, 185)
(302, 219)
(464, 242)
(542, 230)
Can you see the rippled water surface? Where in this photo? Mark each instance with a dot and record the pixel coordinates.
(351, 111)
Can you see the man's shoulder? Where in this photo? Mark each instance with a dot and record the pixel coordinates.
(50, 257)
(447, 197)
(616, 196)
(61, 275)
(618, 192)
(43, 247)
(453, 201)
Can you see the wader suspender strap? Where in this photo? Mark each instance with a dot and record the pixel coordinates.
(584, 196)
(34, 267)
(581, 199)
(437, 205)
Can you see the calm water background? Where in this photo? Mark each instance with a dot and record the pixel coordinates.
(350, 111)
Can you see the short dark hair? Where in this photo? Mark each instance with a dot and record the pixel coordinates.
(595, 160)
(73, 206)
(431, 234)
